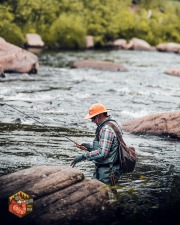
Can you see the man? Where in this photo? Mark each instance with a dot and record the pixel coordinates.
(105, 149)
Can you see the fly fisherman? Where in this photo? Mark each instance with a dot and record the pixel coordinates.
(104, 151)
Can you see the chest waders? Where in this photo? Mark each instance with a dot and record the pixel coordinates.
(107, 170)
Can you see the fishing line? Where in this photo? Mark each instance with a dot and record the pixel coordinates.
(3, 103)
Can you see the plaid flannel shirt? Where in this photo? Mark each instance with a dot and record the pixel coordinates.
(106, 136)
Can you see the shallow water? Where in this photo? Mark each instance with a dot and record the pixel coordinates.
(59, 97)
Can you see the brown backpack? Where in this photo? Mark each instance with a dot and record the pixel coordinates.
(127, 155)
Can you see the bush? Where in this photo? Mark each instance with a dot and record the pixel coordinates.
(11, 33)
(68, 31)
(9, 30)
(65, 23)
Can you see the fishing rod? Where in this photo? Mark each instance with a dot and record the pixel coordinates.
(3, 103)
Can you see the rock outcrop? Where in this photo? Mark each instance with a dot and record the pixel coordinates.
(173, 72)
(16, 59)
(168, 47)
(99, 65)
(167, 123)
(139, 44)
(61, 196)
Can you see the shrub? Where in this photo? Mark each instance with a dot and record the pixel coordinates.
(68, 31)
(9, 30)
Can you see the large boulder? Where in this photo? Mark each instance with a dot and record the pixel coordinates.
(167, 123)
(61, 195)
(173, 72)
(168, 47)
(99, 65)
(16, 59)
(34, 40)
(139, 44)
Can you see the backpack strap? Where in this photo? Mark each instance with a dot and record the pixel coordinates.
(127, 155)
(120, 139)
(107, 122)
(116, 130)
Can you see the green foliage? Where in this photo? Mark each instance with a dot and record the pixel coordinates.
(68, 31)
(152, 4)
(11, 33)
(70, 6)
(9, 30)
(66, 22)
(126, 24)
(35, 15)
(102, 18)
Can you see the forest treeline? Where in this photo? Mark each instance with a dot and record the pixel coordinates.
(65, 23)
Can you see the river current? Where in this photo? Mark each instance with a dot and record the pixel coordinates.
(59, 97)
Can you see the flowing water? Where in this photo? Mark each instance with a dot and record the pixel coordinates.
(59, 97)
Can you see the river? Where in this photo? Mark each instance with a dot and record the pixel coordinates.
(59, 97)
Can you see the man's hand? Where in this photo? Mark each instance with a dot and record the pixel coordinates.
(77, 159)
(87, 146)
(81, 146)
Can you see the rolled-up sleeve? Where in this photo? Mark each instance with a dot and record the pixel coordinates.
(106, 137)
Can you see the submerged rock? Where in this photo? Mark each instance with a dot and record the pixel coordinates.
(99, 65)
(167, 123)
(61, 196)
(173, 72)
(168, 47)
